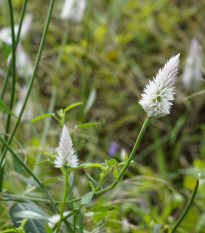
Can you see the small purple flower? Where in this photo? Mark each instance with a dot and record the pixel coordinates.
(114, 146)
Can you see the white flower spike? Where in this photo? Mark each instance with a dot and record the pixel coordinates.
(73, 10)
(66, 153)
(159, 93)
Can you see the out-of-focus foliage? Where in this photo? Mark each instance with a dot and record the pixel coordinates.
(117, 48)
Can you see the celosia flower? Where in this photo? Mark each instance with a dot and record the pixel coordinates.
(73, 10)
(159, 93)
(192, 75)
(66, 153)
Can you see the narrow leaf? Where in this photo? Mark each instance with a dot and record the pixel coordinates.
(5, 108)
(86, 125)
(43, 116)
(87, 198)
(72, 106)
(50, 180)
(115, 173)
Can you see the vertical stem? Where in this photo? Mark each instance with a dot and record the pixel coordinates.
(17, 40)
(64, 200)
(72, 206)
(29, 89)
(187, 206)
(13, 67)
(144, 126)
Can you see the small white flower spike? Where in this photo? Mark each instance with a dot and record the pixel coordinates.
(66, 153)
(159, 93)
(73, 10)
(5, 33)
(192, 75)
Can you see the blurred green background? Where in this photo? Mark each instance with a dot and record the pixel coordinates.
(107, 61)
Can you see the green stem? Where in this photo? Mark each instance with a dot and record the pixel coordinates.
(72, 207)
(144, 126)
(29, 89)
(13, 67)
(16, 44)
(64, 200)
(30, 172)
(187, 206)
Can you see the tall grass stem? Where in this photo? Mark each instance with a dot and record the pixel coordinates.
(29, 88)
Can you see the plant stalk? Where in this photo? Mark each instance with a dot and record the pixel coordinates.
(122, 172)
(187, 206)
(64, 200)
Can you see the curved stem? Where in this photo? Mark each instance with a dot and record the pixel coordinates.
(64, 200)
(144, 126)
(187, 206)
(29, 88)
(17, 40)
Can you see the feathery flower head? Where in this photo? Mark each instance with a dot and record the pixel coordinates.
(73, 10)
(66, 153)
(191, 77)
(159, 93)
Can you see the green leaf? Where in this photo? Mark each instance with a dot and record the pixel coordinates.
(111, 162)
(91, 100)
(29, 214)
(5, 108)
(48, 229)
(43, 116)
(17, 212)
(115, 172)
(50, 180)
(86, 125)
(87, 198)
(6, 49)
(72, 106)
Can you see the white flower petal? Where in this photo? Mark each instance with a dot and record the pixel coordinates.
(159, 92)
(66, 153)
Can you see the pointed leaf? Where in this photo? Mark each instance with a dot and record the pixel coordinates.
(86, 125)
(43, 116)
(5, 108)
(87, 198)
(115, 172)
(72, 106)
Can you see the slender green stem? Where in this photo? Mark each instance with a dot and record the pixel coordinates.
(64, 200)
(29, 88)
(16, 44)
(187, 206)
(144, 126)
(42, 187)
(13, 67)
(72, 207)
